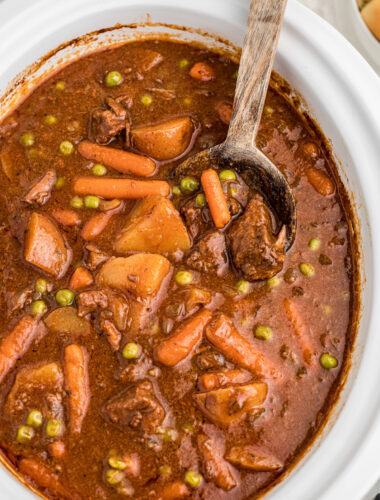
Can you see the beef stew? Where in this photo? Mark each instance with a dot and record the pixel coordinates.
(156, 341)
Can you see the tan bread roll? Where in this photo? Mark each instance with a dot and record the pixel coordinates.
(371, 16)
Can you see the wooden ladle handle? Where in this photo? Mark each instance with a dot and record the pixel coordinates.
(260, 44)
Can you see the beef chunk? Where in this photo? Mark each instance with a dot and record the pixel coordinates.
(197, 219)
(41, 189)
(113, 306)
(216, 469)
(209, 254)
(108, 122)
(136, 407)
(255, 251)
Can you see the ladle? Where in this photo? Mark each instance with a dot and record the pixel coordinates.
(239, 150)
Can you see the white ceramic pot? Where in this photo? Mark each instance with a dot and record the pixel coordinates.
(342, 93)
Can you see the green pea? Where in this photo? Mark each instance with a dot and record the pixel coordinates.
(306, 269)
(39, 308)
(50, 120)
(131, 350)
(200, 200)
(168, 434)
(314, 244)
(114, 477)
(27, 139)
(233, 191)
(165, 470)
(76, 202)
(189, 185)
(227, 175)
(183, 278)
(60, 85)
(113, 79)
(328, 361)
(98, 169)
(91, 201)
(268, 110)
(35, 419)
(117, 463)
(176, 191)
(41, 286)
(25, 434)
(192, 478)
(188, 428)
(66, 148)
(146, 100)
(243, 286)
(59, 182)
(183, 63)
(64, 297)
(53, 428)
(273, 282)
(263, 332)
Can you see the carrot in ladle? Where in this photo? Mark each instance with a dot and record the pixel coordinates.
(215, 198)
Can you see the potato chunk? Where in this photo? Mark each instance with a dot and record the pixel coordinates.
(45, 247)
(254, 458)
(164, 141)
(140, 274)
(154, 225)
(231, 404)
(37, 384)
(66, 320)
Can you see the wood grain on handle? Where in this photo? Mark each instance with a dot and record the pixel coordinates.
(260, 44)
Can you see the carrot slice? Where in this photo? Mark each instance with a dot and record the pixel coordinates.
(95, 226)
(173, 491)
(215, 380)
(45, 478)
(123, 161)
(300, 330)
(215, 198)
(320, 182)
(177, 347)
(223, 335)
(81, 278)
(111, 188)
(202, 71)
(66, 217)
(77, 384)
(57, 449)
(17, 342)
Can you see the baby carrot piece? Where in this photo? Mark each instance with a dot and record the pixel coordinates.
(173, 491)
(80, 279)
(77, 384)
(111, 188)
(96, 225)
(45, 478)
(320, 182)
(215, 380)
(215, 198)
(17, 342)
(300, 330)
(202, 71)
(123, 161)
(174, 349)
(57, 449)
(223, 335)
(66, 217)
